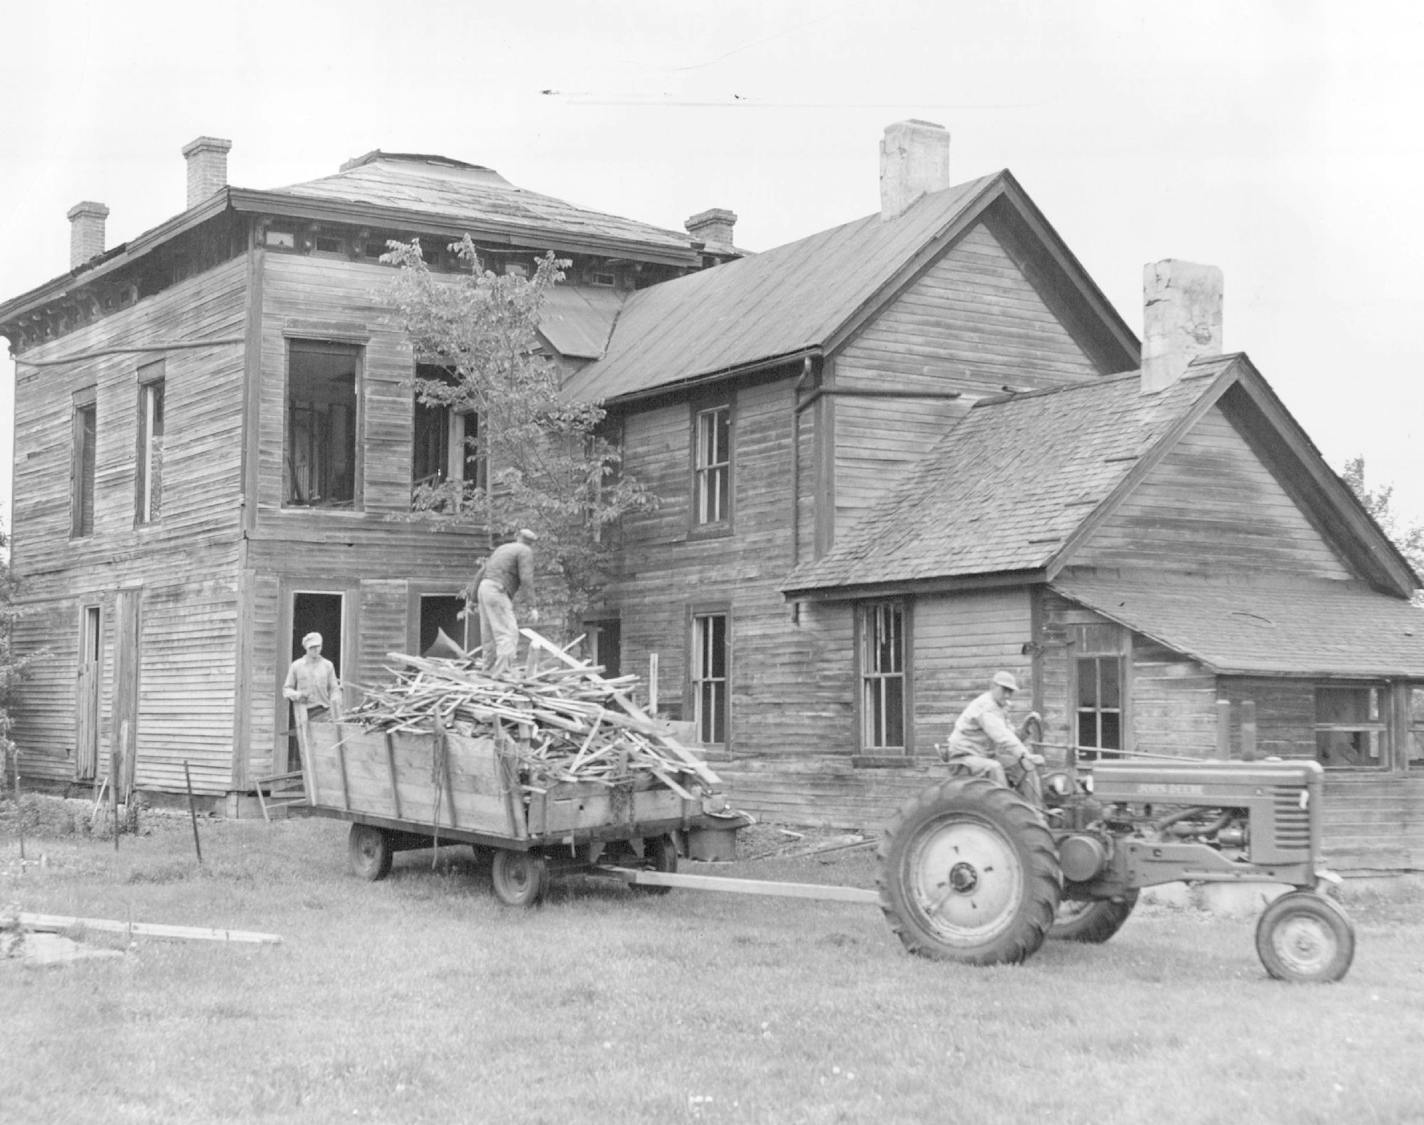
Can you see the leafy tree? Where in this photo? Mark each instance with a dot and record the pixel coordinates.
(550, 466)
(1409, 538)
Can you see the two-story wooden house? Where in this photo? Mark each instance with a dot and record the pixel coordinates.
(216, 441)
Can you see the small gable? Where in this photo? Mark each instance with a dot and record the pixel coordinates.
(1212, 506)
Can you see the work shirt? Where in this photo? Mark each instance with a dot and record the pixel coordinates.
(315, 680)
(983, 730)
(512, 566)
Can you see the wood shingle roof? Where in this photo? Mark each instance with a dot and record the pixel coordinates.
(1009, 484)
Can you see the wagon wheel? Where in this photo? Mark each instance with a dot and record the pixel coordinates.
(969, 873)
(1305, 938)
(659, 854)
(1092, 921)
(370, 851)
(518, 878)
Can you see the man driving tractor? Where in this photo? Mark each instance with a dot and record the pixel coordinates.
(985, 745)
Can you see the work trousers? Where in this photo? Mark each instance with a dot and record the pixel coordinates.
(499, 632)
(997, 770)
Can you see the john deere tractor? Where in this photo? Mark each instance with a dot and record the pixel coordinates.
(969, 871)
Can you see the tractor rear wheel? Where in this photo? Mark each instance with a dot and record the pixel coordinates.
(968, 872)
(1091, 921)
(1306, 938)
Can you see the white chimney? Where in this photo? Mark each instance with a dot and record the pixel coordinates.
(207, 167)
(1181, 313)
(86, 232)
(914, 159)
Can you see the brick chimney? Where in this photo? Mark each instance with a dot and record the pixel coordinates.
(914, 159)
(207, 167)
(86, 232)
(714, 225)
(1181, 313)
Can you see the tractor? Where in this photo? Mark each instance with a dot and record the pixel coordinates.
(972, 872)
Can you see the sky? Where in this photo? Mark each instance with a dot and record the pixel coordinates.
(1278, 140)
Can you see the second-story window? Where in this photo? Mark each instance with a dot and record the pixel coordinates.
(712, 467)
(148, 475)
(446, 447)
(81, 499)
(320, 442)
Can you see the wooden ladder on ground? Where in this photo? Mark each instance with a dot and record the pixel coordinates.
(283, 790)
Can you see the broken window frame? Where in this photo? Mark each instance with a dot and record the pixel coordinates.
(1360, 741)
(325, 481)
(445, 431)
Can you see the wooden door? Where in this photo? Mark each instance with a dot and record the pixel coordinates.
(86, 704)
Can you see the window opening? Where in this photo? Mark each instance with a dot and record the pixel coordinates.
(1349, 726)
(709, 676)
(440, 613)
(882, 663)
(149, 476)
(82, 500)
(1414, 744)
(447, 446)
(712, 465)
(321, 425)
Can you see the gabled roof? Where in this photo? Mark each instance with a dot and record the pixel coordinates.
(1276, 628)
(806, 296)
(1015, 485)
(576, 319)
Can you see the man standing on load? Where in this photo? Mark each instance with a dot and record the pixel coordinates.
(508, 570)
(983, 743)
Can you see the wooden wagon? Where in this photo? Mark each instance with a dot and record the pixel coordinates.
(405, 790)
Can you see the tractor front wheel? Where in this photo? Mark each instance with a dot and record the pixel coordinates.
(1092, 921)
(968, 872)
(1305, 938)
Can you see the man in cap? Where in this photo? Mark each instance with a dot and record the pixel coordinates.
(508, 570)
(312, 685)
(984, 744)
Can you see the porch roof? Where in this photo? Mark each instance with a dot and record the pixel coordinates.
(1297, 628)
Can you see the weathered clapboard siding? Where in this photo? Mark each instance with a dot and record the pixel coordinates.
(201, 402)
(384, 608)
(185, 664)
(187, 682)
(958, 643)
(971, 324)
(1372, 822)
(1212, 500)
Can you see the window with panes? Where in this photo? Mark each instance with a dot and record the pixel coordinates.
(709, 676)
(712, 467)
(883, 659)
(1099, 668)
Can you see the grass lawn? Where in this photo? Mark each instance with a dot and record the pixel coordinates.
(421, 999)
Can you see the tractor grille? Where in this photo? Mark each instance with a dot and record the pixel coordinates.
(1290, 824)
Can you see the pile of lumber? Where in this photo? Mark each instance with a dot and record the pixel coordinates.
(556, 715)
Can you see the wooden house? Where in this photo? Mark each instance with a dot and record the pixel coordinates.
(893, 457)
(216, 441)
(899, 455)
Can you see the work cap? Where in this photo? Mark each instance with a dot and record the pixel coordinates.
(1006, 679)
(311, 639)
(527, 535)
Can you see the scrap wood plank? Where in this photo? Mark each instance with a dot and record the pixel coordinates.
(57, 923)
(694, 763)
